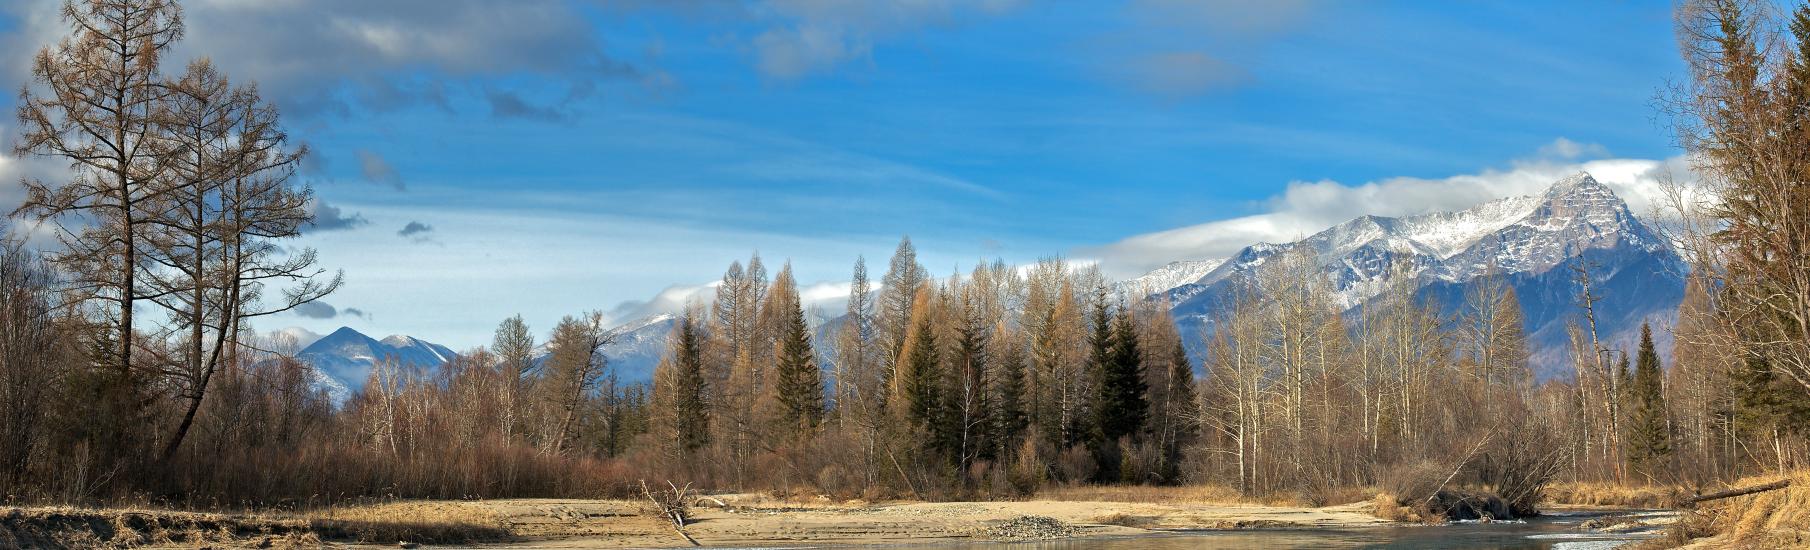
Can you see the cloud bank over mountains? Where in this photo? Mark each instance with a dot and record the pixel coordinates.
(1305, 207)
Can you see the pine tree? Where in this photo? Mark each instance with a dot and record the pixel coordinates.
(1649, 440)
(800, 384)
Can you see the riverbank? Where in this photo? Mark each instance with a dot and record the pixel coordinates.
(732, 520)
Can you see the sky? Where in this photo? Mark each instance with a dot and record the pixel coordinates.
(475, 159)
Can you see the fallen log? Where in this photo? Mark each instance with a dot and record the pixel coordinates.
(1743, 491)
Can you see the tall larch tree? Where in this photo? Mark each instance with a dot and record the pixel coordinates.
(898, 294)
(513, 345)
(98, 106)
(217, 240)
(576, 372)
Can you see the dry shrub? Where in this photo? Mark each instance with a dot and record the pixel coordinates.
(1413, 481)
(1027, 473)
(1076, 464)
(1389, 507)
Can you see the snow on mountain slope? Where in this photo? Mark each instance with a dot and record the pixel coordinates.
(1170, 276)
(636, 347)
(1535, 242)
(343, 360)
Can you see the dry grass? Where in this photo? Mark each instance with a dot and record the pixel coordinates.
(1180, 494)
(1389, 507)
(1773, 519)
(1612, 494)
(421, 522)
(80, 528)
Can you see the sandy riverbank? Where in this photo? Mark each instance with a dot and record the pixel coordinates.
(755, 522)
(736, 520)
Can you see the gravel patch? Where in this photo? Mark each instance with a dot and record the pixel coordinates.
(1030, 528)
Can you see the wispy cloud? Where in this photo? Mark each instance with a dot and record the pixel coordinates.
(330, 218)
(319, 309)
(809, 37)
(1180, 49)
(377, 170)
(417, 232)
(1181, 74)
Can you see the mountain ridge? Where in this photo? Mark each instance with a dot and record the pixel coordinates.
(1536, 242)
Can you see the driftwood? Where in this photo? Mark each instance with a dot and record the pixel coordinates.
(673, 505)
(1743, 491)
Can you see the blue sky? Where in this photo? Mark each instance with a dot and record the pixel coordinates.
(554, 157)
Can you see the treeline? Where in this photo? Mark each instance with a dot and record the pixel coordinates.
(128, 369)
(997, 381)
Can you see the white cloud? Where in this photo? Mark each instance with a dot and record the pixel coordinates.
(1570, 150)
(290, 340)
(331, 55)
(1308, 207)
(823, 300)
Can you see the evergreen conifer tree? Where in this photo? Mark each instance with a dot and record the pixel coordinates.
(800, 384)
(1122, 403)
(691, 413)
(1649, 439)
(1181, 401)
(1009, 417)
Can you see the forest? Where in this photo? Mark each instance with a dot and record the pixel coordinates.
(130, 369)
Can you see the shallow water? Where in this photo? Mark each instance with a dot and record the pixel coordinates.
(1559, 532)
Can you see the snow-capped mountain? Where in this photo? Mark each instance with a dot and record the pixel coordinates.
(1534, 242)
(343, 360)
(634, 347)
(1169, 276)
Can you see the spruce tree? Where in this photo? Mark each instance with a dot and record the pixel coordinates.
(691, 413)
(800, 384)
(970, 369)
(920, 378)
(1009, 415)
(1088, 427)
(1123, 407)
(1649, 439)
(1181, 400)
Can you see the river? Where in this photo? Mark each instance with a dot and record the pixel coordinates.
(1560, 531)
